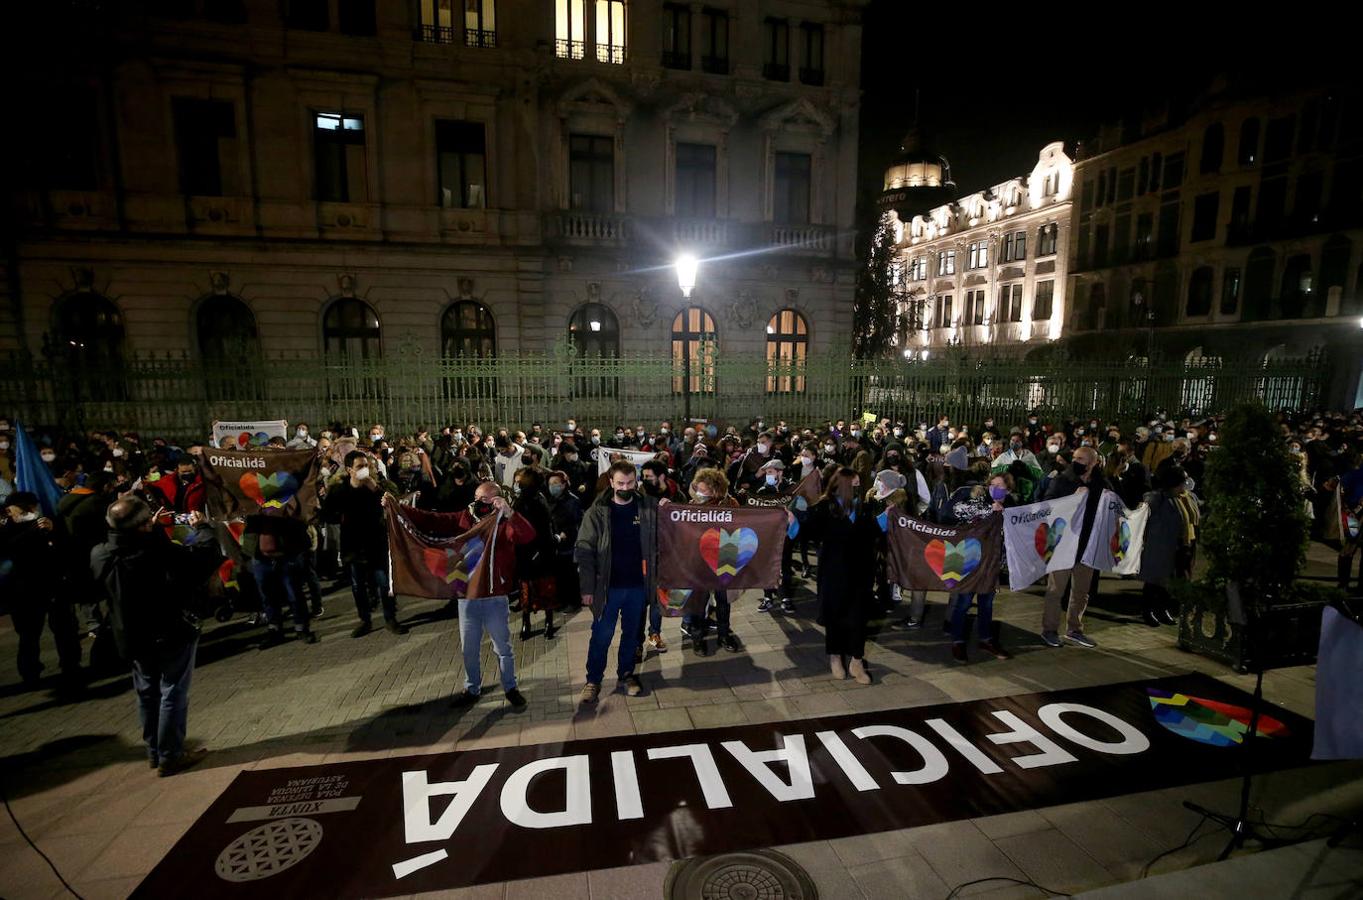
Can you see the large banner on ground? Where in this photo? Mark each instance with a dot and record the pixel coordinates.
(240, 482)
(247, 435)
(925, 556)
(638, 457)
(438, 567)
(719, 548)
(1118, 536)
(408, 825)
(1041, 537)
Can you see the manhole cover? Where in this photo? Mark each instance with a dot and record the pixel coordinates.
(752, 875)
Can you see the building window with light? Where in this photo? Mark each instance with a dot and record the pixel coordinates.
(480, 23)
(787, 346)
(1014, 246)
(570, 29)
(595, 333)
(946, 262)
(610, 31)
(350, 330)
(694, 344)
(943, 311)
(918, 268)
(978, 255)
(1010, 303)
(338, 153)
(591, 172)
(435, 21)
(974, 307)
(1047, 238)
(1045, 298)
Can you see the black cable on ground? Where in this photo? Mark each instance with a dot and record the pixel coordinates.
(5, 797)
(1024, 881)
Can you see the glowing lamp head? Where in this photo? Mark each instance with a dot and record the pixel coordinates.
(686, 273)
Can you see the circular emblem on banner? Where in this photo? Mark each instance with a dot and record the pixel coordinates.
(268, 850)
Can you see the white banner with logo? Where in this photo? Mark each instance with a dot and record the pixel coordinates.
(1117, 538)
(638, 457)
(247, 435)
(1041, 537)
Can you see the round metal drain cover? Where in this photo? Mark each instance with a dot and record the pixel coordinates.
(751, 875)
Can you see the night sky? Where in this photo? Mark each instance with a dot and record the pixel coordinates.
(1039, 79)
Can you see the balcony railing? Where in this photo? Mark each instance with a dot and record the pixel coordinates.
(434, 34)
(474, 37)
(815, 238)
(812, 77)
(611, 53)
(590, 227)
(565, 49)
(676, 59)
(776, 71)
(701, 232)
(715, 65)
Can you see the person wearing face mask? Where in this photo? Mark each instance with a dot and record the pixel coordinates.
(183, 491)
(1160, 448)
(301, 438)
(456, 491)
(775, 488)
(617, 564)
(6, 458)
(987, 497)
(710, 487)
(1084, 475)
(507, 461)
(535, 560)
(1133, 481)
(654, 481)
(355, 503)
(1159, 553)
(939, 434)
(581, 475)
(31, 558)
(1017, 452)
(565, 518)
(847, 539)
(888, 496)
(807, 474)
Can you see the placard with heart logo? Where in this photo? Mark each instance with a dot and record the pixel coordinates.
(953, 562)
(452, 565)
(1048, 538)
(1121, 540)
(727, 552)
(271, 490)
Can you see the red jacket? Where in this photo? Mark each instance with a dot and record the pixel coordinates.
(514, 530)
(190, 499)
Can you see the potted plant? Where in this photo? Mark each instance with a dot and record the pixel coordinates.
(1254, 533)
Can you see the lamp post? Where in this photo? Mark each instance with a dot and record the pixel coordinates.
(686, 266)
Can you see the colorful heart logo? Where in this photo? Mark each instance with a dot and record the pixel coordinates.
(674, 601)
(726, 552)
(1121, 540)
(1208, 721)
(454, 566)
(248, 441)
(953, 563)
(1048, 538)
(273, 490)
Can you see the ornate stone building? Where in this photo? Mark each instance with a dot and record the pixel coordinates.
(264, 177)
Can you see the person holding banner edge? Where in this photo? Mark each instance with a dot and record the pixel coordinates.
(1083, 476)
(975, 502)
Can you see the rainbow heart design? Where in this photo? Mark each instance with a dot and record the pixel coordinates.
(273, 490)
(1048, 538)
(248, 441)
(1121, 540)
(674, 601)
(953, 563)
(454, 566)
(1209, 721)
(727, 552)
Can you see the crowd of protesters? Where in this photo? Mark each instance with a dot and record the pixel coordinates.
(576, 536)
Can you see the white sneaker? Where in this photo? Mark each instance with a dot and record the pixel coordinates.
(766, 604)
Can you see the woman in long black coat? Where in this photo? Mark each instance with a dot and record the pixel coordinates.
(848, 537)
(1163, 537)
(535, 561)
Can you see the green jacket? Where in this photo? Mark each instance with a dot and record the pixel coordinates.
(593, 549)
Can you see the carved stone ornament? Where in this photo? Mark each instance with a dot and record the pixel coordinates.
(643, 306)
(593, 292)
(220, 282)
(84, 278)
(565, 263)
(346, 283)
(743, 310)
(465, 288)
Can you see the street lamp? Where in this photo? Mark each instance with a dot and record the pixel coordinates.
(686, 266)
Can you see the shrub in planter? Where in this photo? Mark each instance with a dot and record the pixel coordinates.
(1253, 536)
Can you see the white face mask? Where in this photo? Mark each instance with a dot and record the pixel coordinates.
(28, 517)
(118, 451)
(362, 473)
(806, 461)
(4, 445)
(763, 448)
(829, 448)
(48, 457)
(302, 432)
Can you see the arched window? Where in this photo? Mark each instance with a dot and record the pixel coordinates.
(1297, 295)
(1248, 154)
(1200, 292)
(1276, 389)
(1258, 285)
(1334, 272)
(1199, 383)
(694, 343)
(87, 337)
(1213, 146)
(350, 329)
(787, 347)
(467, 330)
(226, 330)
(595, 332)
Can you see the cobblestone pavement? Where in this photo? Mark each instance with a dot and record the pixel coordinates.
(77, 779)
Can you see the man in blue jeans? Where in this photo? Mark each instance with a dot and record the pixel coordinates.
(617, 562)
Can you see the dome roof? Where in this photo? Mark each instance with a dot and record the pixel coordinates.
(918, 179)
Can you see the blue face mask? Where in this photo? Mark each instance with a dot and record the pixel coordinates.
(997, 492)
(555, 490)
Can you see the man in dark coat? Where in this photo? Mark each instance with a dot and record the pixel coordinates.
(1159, 552)
(31, 567)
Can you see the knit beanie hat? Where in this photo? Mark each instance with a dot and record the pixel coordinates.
(887, 482)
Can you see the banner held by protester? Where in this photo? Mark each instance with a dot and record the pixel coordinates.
(925, 556)
(434, 566)
(248, 435)
(1117, 537)
(637, 457)
(240, 482)
(1041, 537)
(710, 548)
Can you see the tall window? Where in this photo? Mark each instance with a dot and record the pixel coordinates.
(610, 31)
(978, 255)
(308, 15)
(338, 153)
(1014, 246)
(790, 205)
(1258, 284)
(811, 36)
(350, 330)
(1200, 292)
(595, 332)
(227, 331)
(946, 262)
(1298, 287)
(436, 21)
(1205, 208)
(694, 343)
(943, 311)
(1047, 238)
(787, 347)
(88, 332)
(461, 157)
(591, 172)
(1248, 154)
(1213, 147)
(467, 330)
(918, 268)
(1010, 303)
(776, 49)
(1278, 138)
(1230, 291)
(1045, 299)
(570, 29)
(68, 127)
(974, 307)
(480, 23)
(1145, 236)
(696, 180)
(676, 36)
(206, 141)
(714, 41)
(356, 17)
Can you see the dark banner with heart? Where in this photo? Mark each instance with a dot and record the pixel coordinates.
(709, 548)
(963, 559)
(407, 825)
(240, 482)
(439, 567)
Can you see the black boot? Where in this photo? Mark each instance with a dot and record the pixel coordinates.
(1342, 567)
(549, 624)
(525, 625)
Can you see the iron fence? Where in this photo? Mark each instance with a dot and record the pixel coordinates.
(178, 396)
